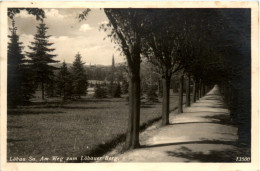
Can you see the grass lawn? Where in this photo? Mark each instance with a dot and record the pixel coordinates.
(72, 129)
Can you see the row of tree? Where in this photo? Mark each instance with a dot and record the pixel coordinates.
(102, 73)
(200, 44)
(71, 82)
(112, 89)
(27, 72)
(193, 42)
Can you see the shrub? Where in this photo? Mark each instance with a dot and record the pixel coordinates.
(151, 93)
(125, 87)
(100, 92)
(117, 91)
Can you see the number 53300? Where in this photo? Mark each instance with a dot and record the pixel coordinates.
(243, 159)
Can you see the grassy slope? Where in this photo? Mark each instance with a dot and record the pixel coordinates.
(72, 129)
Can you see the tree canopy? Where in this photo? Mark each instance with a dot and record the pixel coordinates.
(41, 56)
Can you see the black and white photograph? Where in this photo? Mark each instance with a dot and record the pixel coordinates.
(129, 84)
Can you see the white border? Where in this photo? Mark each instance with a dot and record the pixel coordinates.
(134, 166)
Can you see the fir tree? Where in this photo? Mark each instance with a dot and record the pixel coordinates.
(79, 75)
(20, 87)
(100, 92)
(51, 86)
(41, 57)
(64, 82)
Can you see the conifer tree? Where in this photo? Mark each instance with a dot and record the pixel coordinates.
(51, 86)
(64, 82)
(41, 57)
(79, 75)
(100, 92)
(20, 87)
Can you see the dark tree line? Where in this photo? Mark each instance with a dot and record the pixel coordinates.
(64, 82)
(71, 82)
(41, 58)
(103, 73)
(105, 90)
(19, 81)
(27, 71)
(195, 42)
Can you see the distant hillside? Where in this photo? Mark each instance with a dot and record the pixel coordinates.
(98, 72)
(58, 65)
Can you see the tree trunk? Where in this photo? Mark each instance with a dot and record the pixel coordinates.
(194, 91)
(132, 52)
(200, 93)
(188, 92)
(42, 90)
(201, 89)
(132, 136)
(62, 92)
(197, 90)
(204, 90)
(159, 94)
(165, 100)
(180, 110)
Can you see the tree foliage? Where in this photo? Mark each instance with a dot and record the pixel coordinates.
(38, 13)
(151, 94)
(100, 92)
(210, 45)
(79, 75)
(124, 87)
(51, 86)
(41, 57)
(117, 90)
(162, 40)
(126, 28)
(64, 82)
(20, 86)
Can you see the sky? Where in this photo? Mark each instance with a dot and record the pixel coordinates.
(71, 36)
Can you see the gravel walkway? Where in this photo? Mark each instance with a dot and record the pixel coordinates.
(202, 133)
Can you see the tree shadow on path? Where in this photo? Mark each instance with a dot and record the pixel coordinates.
(234, 143)
(227, 155)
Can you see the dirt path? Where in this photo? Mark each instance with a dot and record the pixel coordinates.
(201, 134)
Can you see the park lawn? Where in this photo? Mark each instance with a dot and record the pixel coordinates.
(74, 129)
